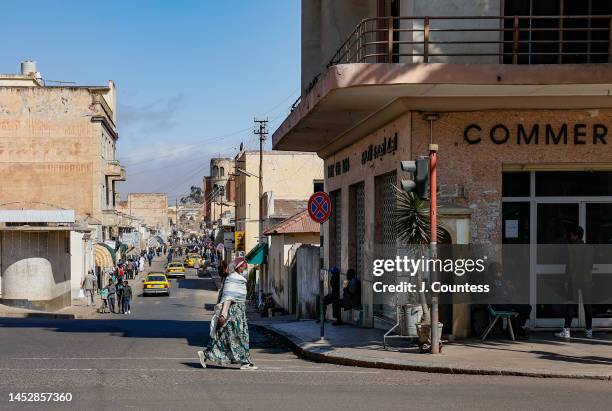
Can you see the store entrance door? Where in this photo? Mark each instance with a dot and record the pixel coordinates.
(552, 221)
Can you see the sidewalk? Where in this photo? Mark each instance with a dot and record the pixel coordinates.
(77, 311)
(541, 356)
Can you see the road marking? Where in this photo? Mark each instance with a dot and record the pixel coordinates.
(186, 370)
(129, 358)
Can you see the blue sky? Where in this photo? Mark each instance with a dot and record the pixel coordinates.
(191, 75)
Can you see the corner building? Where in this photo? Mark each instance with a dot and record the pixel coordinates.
(519, 93)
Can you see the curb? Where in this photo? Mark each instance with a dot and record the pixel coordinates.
(41, 315)
(311, 353)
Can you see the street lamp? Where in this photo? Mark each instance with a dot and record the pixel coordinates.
(246, 173)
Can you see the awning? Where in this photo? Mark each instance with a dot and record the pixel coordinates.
(103, 256)
(154, 242)
(123, 248)
(258, 254)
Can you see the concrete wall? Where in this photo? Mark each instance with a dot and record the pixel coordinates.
(35, 268)
(285, 174)
(81, 260)
(326, 24)
(434, 8)
(49, 145)
(77, 262)
(281, 254)
(308, 280)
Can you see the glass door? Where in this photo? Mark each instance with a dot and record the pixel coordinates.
(598, 230)
(553, 219)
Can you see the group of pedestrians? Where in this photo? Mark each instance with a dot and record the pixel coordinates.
(117, 294)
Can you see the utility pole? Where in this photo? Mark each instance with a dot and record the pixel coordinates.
(262, 132)
(433, 226)
(177, 215)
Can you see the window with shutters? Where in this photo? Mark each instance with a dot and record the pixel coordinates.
(385, 238)
(335, 229)
(357, 228)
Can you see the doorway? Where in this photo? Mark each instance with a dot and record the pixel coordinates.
(542, 206)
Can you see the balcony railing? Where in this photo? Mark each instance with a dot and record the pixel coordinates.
(480, 39)
(114, 168)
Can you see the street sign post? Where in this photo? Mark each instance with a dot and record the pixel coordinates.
(319, 209)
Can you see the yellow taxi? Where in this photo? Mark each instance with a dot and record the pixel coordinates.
(155, 283)
(192, 259)
(175, 269)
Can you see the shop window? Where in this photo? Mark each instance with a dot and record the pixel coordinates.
(357, 227)
(335, 229)
(547, 38)
(516, 184)
(515, 223)
(573, 183)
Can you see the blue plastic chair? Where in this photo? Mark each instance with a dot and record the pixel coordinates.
(496, 315)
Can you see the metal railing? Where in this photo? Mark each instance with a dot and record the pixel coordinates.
(480, 39)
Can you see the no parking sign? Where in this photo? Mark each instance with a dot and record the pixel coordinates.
(319, 207)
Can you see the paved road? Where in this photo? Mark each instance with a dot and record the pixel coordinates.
(147, 361)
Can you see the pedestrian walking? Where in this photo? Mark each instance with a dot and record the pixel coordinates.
(229, 331)
(89, 286)
(130, 269)
(112, 294)
(579, 280)
(150, 257)
(141, 264)
(127, 298)
(119, 288)
(104, 297)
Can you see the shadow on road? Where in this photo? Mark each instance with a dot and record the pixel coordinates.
(194, 332)
(197, 284)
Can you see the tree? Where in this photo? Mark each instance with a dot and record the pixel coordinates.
(195, 196)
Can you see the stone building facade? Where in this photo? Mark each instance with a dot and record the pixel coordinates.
(150, 208)
(58, 150)
(522, 132)
(290, 175)
(217, 198)
(57, 155)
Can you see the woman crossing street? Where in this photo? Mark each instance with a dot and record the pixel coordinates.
(229, 331)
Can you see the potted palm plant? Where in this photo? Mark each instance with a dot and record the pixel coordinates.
(412, 226)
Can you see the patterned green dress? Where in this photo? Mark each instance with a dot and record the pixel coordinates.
(231, 342)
